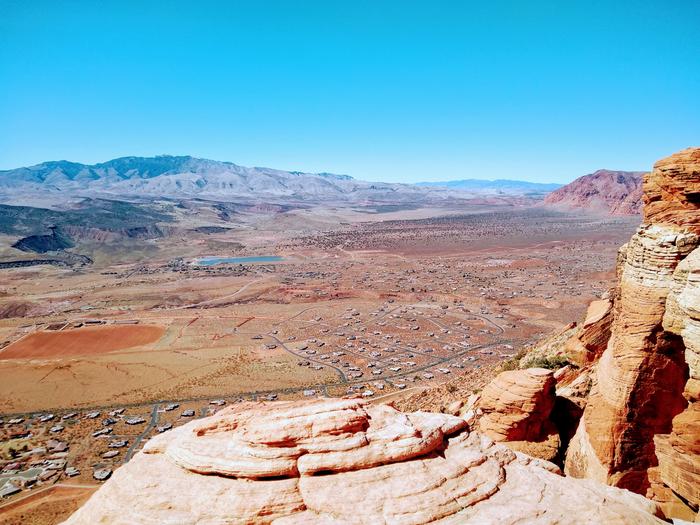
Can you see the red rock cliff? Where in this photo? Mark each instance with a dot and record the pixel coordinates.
(640, 427)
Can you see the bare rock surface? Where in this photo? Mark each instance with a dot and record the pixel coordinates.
(343, 461)
(517, 405)
(639, 427)
(593, 335)
(678, 452)
(672, 190)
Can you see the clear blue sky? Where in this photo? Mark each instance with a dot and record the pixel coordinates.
(381, 90)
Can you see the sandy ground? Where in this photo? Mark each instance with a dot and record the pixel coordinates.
(83, 341)
(51, 505)
(198, 327)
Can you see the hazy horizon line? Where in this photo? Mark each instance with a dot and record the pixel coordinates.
(432, 180)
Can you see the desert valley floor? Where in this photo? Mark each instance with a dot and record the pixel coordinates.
(102, 357)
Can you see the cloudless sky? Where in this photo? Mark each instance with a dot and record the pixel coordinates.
(541, 90)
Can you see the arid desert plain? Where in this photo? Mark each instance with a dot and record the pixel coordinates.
(379, 302)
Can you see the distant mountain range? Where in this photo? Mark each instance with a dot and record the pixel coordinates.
(190, 177)
(183, 176)
(495, 186)
(605, 191)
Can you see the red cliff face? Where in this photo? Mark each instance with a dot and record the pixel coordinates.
(672, 191)
(639, 429)
(610, 192)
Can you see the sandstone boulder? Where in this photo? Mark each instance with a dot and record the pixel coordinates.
(589, 342)
(342, 461)
(516, 405)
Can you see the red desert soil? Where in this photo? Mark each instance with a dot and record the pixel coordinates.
(82, 341)
(46, 507)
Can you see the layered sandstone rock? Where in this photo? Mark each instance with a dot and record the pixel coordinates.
(678, 452)
(682, 316)
(578, 344)
(648, 373)
(672, 190)
(515, 408)
(592, 337)
(342, 461)
(516, 405)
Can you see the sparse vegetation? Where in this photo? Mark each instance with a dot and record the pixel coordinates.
(521, 361)
(552, 362)
(56, 241)
(109, 215)
(514, 362)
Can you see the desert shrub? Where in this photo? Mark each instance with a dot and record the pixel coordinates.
(514, 362)
(551, 362)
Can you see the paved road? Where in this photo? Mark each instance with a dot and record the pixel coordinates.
(155, 415)
(341, 373)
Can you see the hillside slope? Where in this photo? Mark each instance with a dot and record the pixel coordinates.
(605, 191)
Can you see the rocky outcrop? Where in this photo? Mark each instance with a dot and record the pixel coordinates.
(12, 309)
(516, 405)
(342, 461)
(605, 191)
(593, 336)
(576, 344)
(116, 232)
(678, 452)
(638, 424)
(672, 191)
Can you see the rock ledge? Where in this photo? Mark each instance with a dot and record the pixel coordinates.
(344, 461)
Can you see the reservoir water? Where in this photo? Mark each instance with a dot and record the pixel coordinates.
(211, 261)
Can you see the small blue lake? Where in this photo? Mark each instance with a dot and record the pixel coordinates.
(211, 261)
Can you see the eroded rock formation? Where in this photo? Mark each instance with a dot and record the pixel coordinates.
(672, 191)
(342, 461)
(640, 423)
(678, 452)
(593, 335)
(516, 405)
(515, 408)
